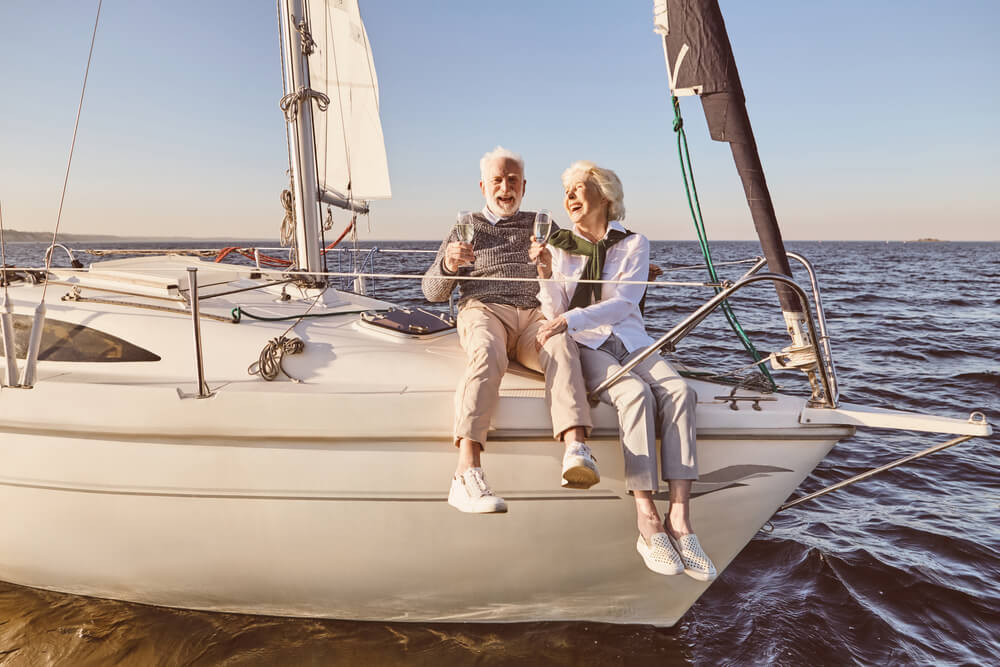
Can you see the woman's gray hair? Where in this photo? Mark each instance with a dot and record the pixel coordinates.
(607, 182)
(498, 153)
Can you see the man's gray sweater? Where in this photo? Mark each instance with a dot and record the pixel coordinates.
(501, 252)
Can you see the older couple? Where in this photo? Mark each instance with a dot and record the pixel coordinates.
(576, 334)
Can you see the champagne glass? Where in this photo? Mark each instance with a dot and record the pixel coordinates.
(543, 224)
(464, 228)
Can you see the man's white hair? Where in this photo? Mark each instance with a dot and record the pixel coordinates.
(498, 153)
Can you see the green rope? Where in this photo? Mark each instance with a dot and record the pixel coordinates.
(687, 172)
(238, 313)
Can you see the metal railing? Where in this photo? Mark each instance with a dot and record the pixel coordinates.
(827, 394)
(824, 364)
(824, 340)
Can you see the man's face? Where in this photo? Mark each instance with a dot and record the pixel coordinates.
(503, 187)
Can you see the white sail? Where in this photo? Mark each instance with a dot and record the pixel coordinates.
(350, 149)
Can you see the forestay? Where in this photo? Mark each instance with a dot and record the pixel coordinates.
(350, 149)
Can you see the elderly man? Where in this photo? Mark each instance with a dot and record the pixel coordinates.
(498, 321)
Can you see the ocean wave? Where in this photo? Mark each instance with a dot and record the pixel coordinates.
(989, 378)
(868, 609)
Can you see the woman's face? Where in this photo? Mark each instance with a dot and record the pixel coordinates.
(583, 201)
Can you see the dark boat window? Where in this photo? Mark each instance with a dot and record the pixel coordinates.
(65, 341)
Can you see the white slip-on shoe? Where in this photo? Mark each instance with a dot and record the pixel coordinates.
(579, 469)
(659, 555)
(697, 564)
(470, 492)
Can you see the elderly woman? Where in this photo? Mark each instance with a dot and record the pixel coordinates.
(605, 321)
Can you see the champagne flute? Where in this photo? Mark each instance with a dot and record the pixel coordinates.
(543, 224)
(464, 228)
(542, 227)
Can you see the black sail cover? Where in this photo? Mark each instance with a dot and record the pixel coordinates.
(700, 62)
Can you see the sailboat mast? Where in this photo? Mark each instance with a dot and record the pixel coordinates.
(298, 105)
(700, 62)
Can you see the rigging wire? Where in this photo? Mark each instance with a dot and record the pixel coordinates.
(287, 234)
(6, 315)
(331, 55)
(420, 276)
(687, 172)
(72, 146)
(3, 254)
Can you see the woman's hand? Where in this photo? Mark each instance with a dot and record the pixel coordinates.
(549, 329)
(540, 255)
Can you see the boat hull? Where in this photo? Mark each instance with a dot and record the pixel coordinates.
(361, 530)
(327, 497)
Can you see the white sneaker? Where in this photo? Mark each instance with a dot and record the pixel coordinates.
(579, 470)
(471, 493)
(697, 564)
(659, 555)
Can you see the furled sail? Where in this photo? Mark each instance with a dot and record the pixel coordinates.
(350, 149)
(700, 62)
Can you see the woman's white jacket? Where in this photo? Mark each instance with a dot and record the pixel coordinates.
(618, 310)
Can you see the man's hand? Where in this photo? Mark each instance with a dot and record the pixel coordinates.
(540, 255)
(457, 255)
(550, 329)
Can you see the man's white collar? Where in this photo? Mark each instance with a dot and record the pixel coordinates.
(493, 218)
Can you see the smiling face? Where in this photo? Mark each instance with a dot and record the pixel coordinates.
(584, 202)
(503, 187)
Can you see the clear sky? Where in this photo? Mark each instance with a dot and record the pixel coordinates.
(876, 119)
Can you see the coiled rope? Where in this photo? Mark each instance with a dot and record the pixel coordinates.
(687, 172)
(268, 365)
(290, 103)
(288, 222)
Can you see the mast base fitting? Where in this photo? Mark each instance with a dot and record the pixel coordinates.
(798, 357)
(303, 279)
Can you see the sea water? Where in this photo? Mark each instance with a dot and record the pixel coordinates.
(903, 568)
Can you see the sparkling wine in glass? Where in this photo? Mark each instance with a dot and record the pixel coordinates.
(463, 227)
(543, 225)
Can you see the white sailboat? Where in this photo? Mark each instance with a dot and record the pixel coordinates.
(140, 461)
